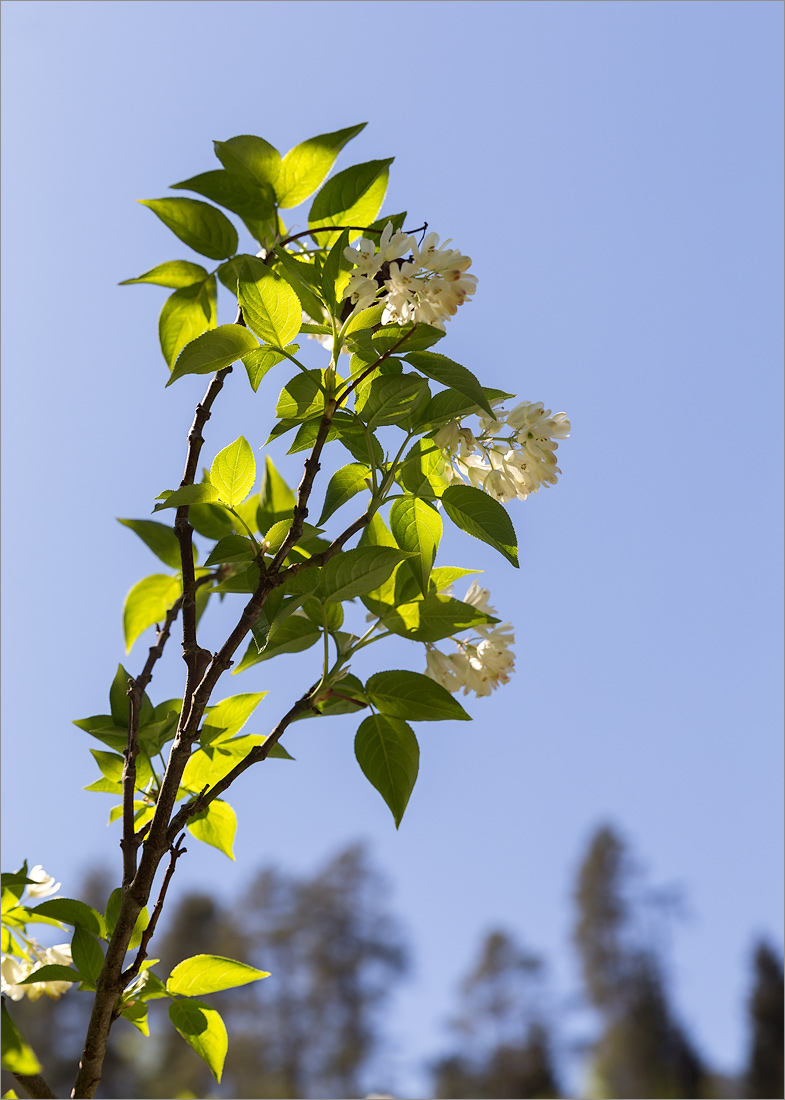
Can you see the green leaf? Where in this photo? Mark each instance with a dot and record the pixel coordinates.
(250, 156)
(209, 764)
(276, 499)
(233, 472)
(113, 912)
(353, 437)
(365, 320)
(445, 575)
(270, 307)
(259, 361)
(111, 765)
(303, 278)
(305, 166)
(17, 1055)
(245, 581)
(53, 972)
(227, 718)
(148, 602)
(293, 635)
(276, 536)
(437, 616)
(210, 974)
(174, 273)
(260, 631)
(202, 227)
(118, 698)
(335, 270)
(480, 515)
(343, 485)
(215, 826)
(74, 912)
(450, 405)
(418, 337)
(417, 528)
(136, 1014)
(355, 572)
(254, 203)
(87, 955)
(392, 398)
(302, 397)
(161, 539)
(402, 694)
(187, 494)
(352, 197)
(186, 314)
(203, 1030)
(210, 520)
(388, 753)
(422, 471)
(229, 272)
(213, 351)
(232, 548)
(449, 373)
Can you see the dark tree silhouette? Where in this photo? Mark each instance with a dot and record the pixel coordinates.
(643, 1051)
(502, 1039)
(764, 1076)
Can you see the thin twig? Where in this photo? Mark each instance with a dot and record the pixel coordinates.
(256, 754)
(129, 843)
(131, 840)
(340, 229)
(175, 852)
(195, 658)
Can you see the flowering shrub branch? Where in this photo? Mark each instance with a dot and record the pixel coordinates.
(377, 297)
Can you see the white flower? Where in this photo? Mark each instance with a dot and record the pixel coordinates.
(440, 668)
(483, 661)
(478, 597)
(364, 257)
(507, 466)
(14, 971)
(361, 291)
(367, 258)
(43, 884)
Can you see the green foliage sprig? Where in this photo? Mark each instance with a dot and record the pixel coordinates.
(377, 298)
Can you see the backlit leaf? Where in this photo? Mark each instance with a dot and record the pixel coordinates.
(213, 351)
(161, 539)
(215, 826)
(417, 528)
(480, 515)
(201, 226)
(271, 308)
(343, 485)
(305, 166)
(147, 603)
(233, 472)
(352, 197)
(174, 273)
(203, 1030)
(210, 974)
(186, 314)
(388, 753)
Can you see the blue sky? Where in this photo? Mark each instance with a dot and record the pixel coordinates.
(615, 172)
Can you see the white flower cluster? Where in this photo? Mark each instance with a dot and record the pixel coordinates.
(483, 661)
(427, 288)
(14, 971)
(509, 465)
